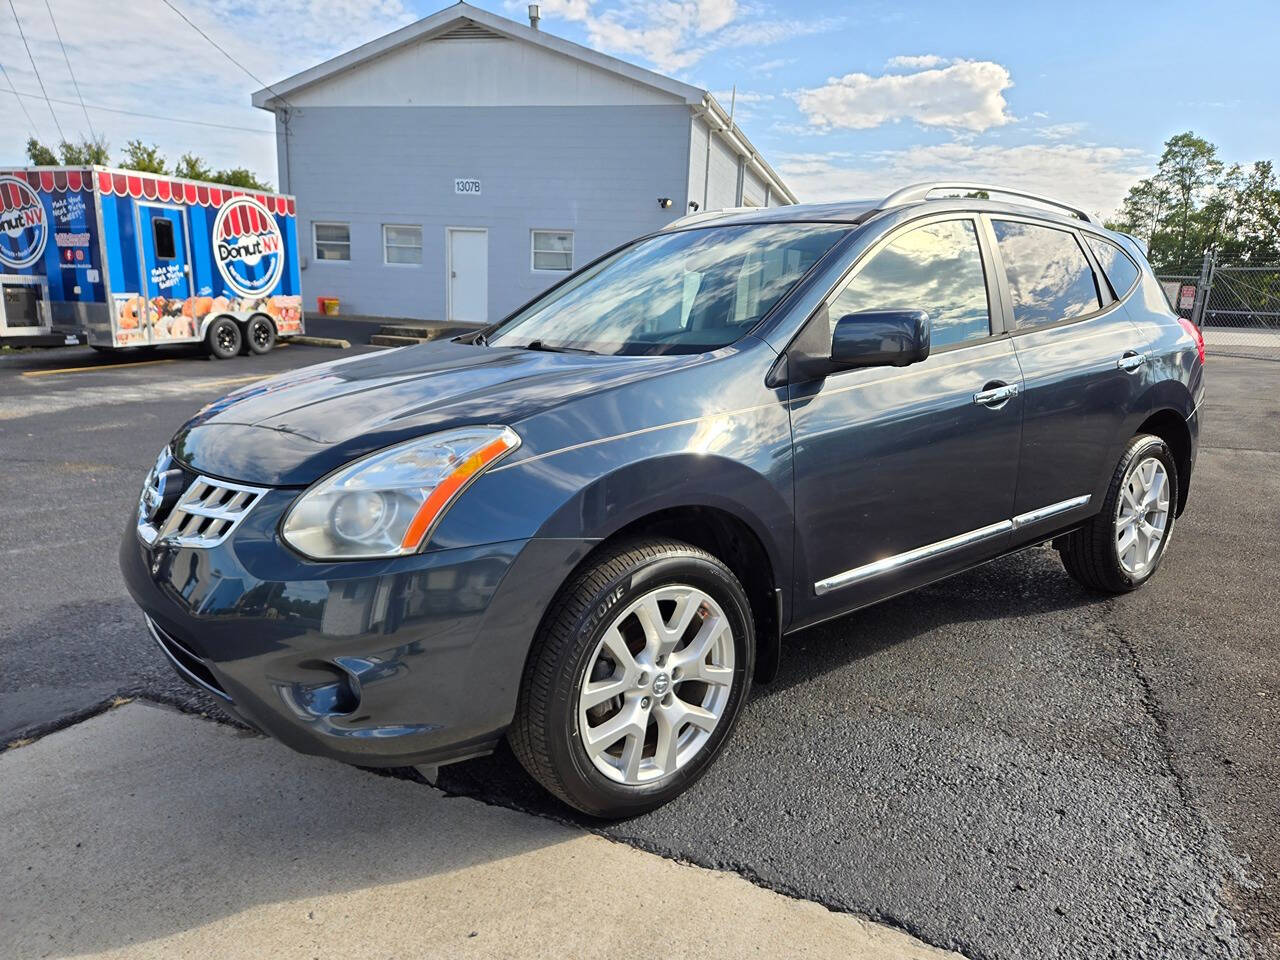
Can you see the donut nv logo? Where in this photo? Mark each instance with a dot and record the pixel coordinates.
(24, 229)
(248, 247)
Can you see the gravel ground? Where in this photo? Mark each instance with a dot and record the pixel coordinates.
(999, 764)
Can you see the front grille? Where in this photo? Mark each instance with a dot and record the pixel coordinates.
(191, 667)
(204, 515)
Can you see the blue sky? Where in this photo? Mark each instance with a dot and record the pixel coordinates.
(844, 99)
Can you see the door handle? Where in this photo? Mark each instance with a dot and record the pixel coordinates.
(996, 396)
(1131, 361)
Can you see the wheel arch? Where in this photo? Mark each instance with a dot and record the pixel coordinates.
(720, 505)
(1171, 427)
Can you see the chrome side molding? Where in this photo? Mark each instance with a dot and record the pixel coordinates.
(1052, 510)
(929, 551)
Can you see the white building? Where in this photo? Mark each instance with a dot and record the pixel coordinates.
(457, 167)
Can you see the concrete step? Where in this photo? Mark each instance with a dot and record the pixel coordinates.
(425, 331)
(396, 340)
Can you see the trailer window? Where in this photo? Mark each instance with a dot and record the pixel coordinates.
(162, 237)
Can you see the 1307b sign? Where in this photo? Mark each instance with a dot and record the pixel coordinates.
(468, 187)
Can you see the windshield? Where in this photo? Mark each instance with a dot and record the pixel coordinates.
(686, 292)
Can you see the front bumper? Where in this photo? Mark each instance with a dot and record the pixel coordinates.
(381, 663)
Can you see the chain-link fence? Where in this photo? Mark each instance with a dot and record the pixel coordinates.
(1237, 307)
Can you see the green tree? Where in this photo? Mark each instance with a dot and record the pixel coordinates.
(85, 153)
(192, 167)
(139, 156)
(39, 154)
(241, 177)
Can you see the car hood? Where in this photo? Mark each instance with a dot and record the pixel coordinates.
(292, 429)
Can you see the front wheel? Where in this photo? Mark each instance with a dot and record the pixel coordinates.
(1120, 548)
(223, 338)
(636, 678)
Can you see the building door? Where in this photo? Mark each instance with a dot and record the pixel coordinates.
(468, 275)
(166, 268)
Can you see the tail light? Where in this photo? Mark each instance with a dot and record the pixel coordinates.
(1196, 335)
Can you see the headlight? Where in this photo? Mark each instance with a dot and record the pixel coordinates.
(387, 504)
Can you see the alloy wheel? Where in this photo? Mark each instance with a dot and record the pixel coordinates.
(657, 684)
(1142, 516)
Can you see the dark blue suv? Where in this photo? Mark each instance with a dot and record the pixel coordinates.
(588, 528)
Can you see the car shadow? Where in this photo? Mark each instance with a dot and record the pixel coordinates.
(1027, 584)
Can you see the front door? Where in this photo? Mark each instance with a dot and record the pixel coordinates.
(166, 265)
(468, 279)
(903, 475)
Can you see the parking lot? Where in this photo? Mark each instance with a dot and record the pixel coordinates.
(1000, 764)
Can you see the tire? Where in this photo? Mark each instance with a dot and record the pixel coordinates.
(259, 335)
(551, 723)
(1092, 554)
(223, 338)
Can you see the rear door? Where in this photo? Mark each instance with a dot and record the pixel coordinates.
(903, 475)
(1080, 357)
(166, 264)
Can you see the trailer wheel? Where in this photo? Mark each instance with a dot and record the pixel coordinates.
(259, 335)
(223, 338)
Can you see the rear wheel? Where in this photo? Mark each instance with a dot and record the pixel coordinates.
(259, 335)
(636, 678)
(1120, 548)
(223, 338)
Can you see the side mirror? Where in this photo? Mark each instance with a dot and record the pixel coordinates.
(880, 338)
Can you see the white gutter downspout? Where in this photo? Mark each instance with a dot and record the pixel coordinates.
(708, 112)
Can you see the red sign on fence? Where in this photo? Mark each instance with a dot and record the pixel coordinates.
(1187, 296)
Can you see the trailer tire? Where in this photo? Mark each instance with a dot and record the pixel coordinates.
(259, 334)
(223, 338)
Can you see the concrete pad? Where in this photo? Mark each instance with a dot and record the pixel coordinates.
(148, 833)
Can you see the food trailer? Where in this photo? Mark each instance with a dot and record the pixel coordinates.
(119, 258)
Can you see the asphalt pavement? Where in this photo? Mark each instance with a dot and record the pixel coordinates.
(1000, 764)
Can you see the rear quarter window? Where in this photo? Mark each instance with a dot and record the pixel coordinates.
(1121, 271)
(1050, 278)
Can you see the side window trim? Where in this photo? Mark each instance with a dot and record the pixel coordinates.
(1104, 289)
(994, 311)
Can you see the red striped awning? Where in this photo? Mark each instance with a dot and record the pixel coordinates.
(143, 186)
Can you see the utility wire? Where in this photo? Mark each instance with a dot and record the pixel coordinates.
(17, 96)
(93, 136)
(148, 116)
(215, 45)
(62, 137)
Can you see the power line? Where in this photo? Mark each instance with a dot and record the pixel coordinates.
(61, 136)
(215, 45)
(148, 116)
(17, 96)
(93, 136)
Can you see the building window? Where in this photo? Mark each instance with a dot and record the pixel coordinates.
(553, 250)
(401, 244)
(333, 241)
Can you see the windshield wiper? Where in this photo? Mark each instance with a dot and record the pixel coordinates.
(557, 348)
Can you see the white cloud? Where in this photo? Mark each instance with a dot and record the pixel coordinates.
(673, 35)
(1059, 131)
(967, 95)
(769, 67)
(1095, 177)
(742, 96)
(924, 62)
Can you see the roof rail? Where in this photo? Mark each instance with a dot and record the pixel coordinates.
(705, 215)
(921, 191)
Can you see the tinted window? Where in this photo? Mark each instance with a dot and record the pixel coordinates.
(162, 233)
(1120, 270)
(685, 292)
(935, 268)
(1049, 277)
